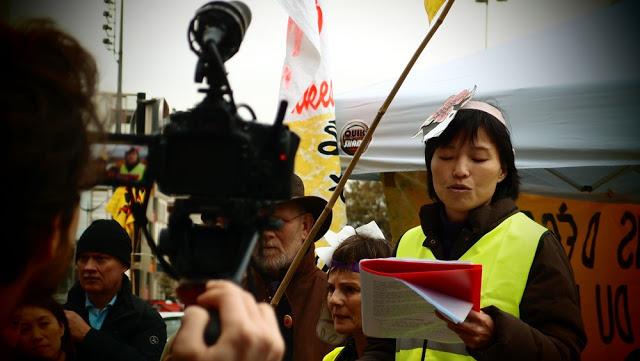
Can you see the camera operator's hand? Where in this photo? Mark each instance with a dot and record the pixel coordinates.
(249, 331)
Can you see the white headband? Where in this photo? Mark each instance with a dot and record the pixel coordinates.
(487, 108)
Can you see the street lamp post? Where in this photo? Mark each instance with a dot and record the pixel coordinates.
(109, 41)
(486, 21)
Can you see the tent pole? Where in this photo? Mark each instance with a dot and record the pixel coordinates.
(610, 176)
(590, 188)
(565, 179)
(365, 142)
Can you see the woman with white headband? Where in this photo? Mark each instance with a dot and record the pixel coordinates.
(343, 289)
(530, 308)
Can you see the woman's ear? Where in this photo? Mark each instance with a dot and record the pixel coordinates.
(503, 174)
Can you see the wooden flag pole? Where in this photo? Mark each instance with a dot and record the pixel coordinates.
(345, 176)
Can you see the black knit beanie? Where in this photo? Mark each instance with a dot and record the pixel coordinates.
(106, 236)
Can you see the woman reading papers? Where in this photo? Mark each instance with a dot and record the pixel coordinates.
(529, 302)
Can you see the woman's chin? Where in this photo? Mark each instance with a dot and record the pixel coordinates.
(344, 329)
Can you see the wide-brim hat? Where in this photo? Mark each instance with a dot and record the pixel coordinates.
(312, 204)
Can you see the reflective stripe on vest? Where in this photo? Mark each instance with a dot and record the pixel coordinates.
(506, 254)
(331, 356)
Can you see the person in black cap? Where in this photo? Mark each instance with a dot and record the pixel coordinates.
(299, 310)
(107, 321)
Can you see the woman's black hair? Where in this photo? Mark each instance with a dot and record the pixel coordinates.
(56, 309)
(466, 124)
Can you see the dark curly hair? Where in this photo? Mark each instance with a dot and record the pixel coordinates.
(466, 124)
(46, 106)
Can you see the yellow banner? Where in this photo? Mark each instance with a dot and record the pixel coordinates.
(316, 162)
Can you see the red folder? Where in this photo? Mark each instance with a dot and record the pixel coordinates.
(453, 278)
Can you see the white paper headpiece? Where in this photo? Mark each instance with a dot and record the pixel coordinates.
(370, 229)
(437, 122)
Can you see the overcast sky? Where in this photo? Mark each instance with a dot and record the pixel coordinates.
(370, 41)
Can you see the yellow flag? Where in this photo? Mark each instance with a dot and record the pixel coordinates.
(120, 208)
(432, 7)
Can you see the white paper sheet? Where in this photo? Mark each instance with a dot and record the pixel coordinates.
(392, 308)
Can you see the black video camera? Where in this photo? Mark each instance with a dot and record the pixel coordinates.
(215, 163)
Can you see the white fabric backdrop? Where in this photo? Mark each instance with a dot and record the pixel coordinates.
(571, 95)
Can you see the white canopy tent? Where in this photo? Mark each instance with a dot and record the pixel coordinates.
(571, 95)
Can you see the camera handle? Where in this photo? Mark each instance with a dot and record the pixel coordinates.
(189, 290)
(212, 331)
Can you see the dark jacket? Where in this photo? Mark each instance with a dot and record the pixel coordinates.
(377, 349)
(550, 324)
(132, 330)
(302, 301)
(349, 352)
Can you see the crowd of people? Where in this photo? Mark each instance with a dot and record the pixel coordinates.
(47, 109)
(529, 300)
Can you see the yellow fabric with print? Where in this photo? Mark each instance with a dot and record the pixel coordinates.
(316, 167)
(120, 209)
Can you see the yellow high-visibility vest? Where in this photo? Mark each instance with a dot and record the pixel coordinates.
(137, 171)
(506, 254)
(331, 356)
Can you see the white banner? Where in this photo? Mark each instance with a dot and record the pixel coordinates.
(307, 86)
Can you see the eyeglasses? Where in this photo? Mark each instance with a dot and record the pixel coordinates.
(276, 223)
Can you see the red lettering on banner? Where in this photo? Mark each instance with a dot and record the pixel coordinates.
(319, 9)
(310, 95)
(286, 76)
(297, 37)
(324, 87)
(313, 99)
